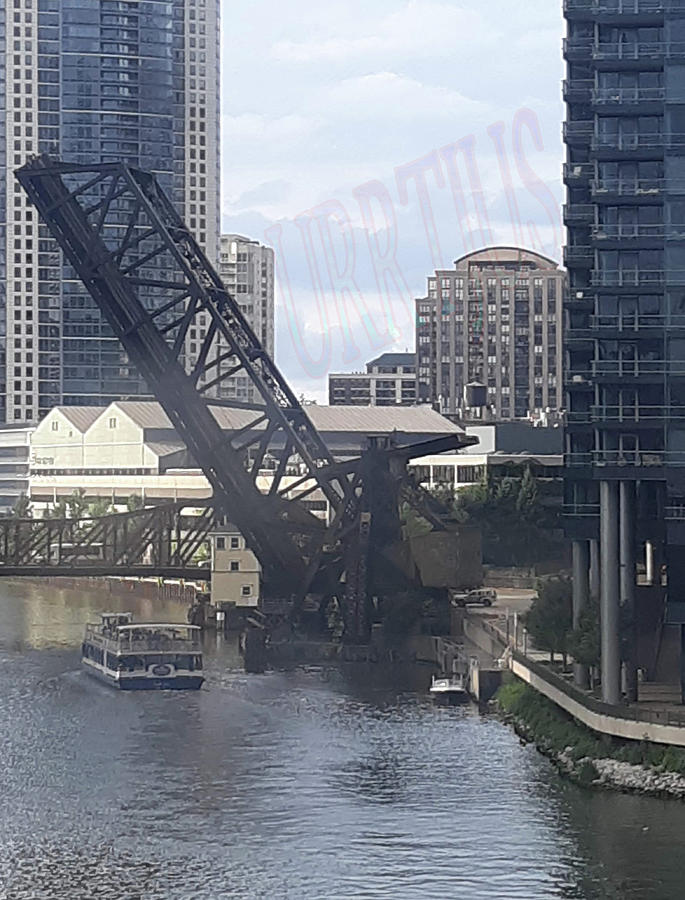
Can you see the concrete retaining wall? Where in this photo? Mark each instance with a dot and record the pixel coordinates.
(152, 588)
(632, 729)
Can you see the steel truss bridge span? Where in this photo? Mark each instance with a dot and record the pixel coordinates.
(156, 541)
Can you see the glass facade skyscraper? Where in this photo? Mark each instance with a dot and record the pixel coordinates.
(625, 328)
(90, 81)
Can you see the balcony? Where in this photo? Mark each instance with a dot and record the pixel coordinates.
(580, 299)
(637, 368)
(580, 417)
(579, 379)
(632, 53)
(630, 278)
(638, 189)
(628, 97)
(580, 509)
(651, 145)
(578, 133)
(577, 90)
(579, 256)
(577, 49)
(578, 213)
(580, 8)
(578, 174)
(635, 415)
(629, 233)
(626, 458)
(634, 325)
(638, 458)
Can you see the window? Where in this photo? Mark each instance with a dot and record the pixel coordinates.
(55, 426)
(246, 590)
(235, 543)
(221, 543)
(235, 565)
(112, 422)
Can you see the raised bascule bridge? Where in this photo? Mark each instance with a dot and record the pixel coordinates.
(153, 284)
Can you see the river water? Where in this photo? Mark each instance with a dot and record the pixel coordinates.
(306, 784)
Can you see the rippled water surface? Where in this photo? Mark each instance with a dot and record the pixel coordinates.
(309, 784)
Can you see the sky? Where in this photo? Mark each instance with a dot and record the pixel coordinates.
(372, 141)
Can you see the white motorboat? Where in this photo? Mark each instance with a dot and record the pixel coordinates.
(449, 689)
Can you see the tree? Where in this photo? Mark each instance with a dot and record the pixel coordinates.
(203, 553)
(77, 504)
(518, 528)
(550, 617)
(584, 641)
(59, 510)
(100, 507)
(527, 496)
(134, 502)
(22, 508)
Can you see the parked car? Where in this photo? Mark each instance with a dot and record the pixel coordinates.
(476, 597)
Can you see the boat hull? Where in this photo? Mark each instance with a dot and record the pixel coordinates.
(179, 683)
(450, 698)
(172, 683)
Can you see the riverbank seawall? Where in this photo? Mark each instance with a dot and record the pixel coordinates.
(625, 722)
(150, 588)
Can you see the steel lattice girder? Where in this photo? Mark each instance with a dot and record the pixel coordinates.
(158, 540)
(113, 223)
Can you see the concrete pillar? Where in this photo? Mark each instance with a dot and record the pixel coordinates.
(581, 594)
(649, 562)
(594, 569)
(627, 588)
(609, 592)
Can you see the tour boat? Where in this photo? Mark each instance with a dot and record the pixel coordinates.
(143, 657)
(449, 689)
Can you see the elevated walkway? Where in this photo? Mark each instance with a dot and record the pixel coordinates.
(658, 716)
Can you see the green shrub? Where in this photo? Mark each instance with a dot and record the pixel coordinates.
(552, 728)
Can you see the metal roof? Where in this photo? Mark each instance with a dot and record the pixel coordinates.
(365, 419)
(165, 448)
(81, 417)
(145, 413)
(149, 414)
(394, 359)
(381, 419)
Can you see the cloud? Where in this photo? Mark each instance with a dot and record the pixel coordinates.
(392, 95)
(264, 195)
(251, 127)
(420, 28)
(319, 100)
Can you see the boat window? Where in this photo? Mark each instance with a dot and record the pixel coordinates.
(131, 663)
(154, 659)
(94, 653)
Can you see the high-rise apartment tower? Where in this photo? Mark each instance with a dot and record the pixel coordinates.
(93, 80)
(247, 269)
(494, 319)
(625, 320)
